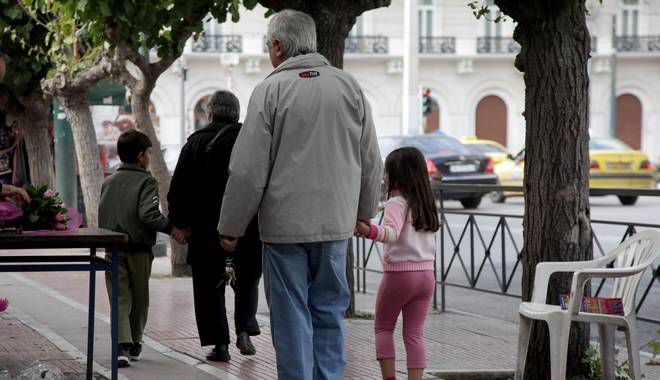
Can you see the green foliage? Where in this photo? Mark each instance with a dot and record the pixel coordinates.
(22, 40)
(593, 360)
(654, 345)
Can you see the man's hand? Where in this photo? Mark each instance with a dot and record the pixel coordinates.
(228, 243)
(9, 190)
(180, 235)
(362, 228)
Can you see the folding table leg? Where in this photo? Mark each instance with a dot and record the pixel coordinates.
(90, 315)
(114, 313)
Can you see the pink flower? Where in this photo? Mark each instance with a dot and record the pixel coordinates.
(49, 193)
(4, 304)
(60, 227)
(60, 218)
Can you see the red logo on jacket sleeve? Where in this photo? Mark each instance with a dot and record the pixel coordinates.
(309, 74)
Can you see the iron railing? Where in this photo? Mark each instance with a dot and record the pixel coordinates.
(366, 44)
(507, 45)
(217, 43)
(638, 44)
(437, 45)
(497, 45)
(470, 257)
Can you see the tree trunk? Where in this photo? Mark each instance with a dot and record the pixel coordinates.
(555, 50)
(40, 155)
(32, 113)
(79, 115)
(331, 32)
(140, 104)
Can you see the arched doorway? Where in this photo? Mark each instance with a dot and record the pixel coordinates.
(201, 120)
(491, 120)
(629, 120)
(432, 119)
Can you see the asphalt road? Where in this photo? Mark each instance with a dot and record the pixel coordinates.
(487, 273)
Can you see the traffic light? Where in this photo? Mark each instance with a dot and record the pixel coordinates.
(426, 102)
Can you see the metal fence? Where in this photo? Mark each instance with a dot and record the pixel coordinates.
(217, 43)
(437, 45)
(638, 44)
(367, 44)
(470, 257)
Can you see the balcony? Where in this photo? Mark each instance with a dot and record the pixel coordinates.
(366, 45)
(507, 45)
(437, 45)
(497, 45)
(218, 44)
(638, 44)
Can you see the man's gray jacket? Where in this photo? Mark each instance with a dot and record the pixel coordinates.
(306, 159)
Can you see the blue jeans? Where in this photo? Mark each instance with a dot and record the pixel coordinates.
(307, 294)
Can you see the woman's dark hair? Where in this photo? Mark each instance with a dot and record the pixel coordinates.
(406, 172)
(130, 144)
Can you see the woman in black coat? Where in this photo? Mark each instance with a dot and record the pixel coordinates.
(195, 199)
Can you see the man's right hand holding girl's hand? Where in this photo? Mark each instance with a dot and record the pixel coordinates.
(362, 228)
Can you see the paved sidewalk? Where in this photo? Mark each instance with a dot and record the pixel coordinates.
(454, 340)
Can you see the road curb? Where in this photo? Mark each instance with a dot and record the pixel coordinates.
(486, 374)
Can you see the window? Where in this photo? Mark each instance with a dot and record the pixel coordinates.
(493, 29)
(358, 28)
(629, 24)
(426, 15)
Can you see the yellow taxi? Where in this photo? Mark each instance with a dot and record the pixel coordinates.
(613, 164)
(496, 151)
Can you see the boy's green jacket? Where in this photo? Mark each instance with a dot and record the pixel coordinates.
(130, 204)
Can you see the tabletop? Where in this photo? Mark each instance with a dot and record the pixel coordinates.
(80, 238)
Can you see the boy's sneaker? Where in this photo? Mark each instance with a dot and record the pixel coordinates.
(122, 356)
(135, 351)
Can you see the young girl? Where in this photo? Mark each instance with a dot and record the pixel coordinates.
(408, 231)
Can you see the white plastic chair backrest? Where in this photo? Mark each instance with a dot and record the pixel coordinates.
(640, 249)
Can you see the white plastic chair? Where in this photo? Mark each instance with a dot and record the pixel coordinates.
(630, 259)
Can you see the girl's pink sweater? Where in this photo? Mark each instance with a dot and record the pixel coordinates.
(405, 248)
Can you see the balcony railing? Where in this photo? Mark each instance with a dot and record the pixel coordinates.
(638, 44)
(437, 45)
(497, 45)
(218, 44)
(507, 45)
(367, 45)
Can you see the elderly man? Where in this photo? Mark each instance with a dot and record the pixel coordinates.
(194, 204)
(307, 160)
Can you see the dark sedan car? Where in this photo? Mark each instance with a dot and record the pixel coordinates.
(448, 158)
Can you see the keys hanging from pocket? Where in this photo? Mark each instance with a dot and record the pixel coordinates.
(230, 274)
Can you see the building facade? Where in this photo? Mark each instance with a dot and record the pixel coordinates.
(467, 65)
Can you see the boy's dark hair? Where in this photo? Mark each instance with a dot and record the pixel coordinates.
(130, 144)
(407, 173)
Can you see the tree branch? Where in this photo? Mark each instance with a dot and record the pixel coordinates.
(62, 85)
(124, 49)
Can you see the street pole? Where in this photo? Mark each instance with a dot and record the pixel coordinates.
(184, 74)
(412, 112)
(65, 158)
(613, 84)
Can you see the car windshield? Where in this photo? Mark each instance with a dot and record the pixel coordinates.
(485, 148)
(608, 143)
(429, 146)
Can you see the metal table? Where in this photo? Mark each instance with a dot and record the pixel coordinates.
(82, 238)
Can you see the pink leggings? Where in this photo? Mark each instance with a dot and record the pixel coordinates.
(409, 292)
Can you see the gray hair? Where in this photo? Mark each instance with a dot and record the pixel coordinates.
(295, 30)
(223, 105)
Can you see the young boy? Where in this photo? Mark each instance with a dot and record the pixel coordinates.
(129, 204)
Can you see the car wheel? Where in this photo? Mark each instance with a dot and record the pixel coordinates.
(470, 203)
(627, 200)
(496, 197)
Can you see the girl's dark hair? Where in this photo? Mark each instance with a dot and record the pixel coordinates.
(406, 172)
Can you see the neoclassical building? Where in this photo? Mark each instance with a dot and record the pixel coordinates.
(467, 65)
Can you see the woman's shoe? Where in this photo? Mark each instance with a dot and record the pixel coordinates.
(245, 345)
(219, 354)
